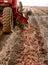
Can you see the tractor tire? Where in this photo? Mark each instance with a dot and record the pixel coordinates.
(7, 20)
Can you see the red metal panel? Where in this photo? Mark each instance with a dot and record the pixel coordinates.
(14, 6)
(20, 17)
(14, 3)
(1, 0)
(9, 1)
(17, 15)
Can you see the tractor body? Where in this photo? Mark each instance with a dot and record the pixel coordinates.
(5, 7)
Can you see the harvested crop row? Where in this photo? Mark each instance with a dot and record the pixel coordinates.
(31, 51)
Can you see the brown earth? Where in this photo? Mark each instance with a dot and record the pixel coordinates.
(28, 46)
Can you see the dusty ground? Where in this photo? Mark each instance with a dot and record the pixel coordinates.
(28, 46)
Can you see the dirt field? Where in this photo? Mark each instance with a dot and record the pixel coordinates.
(30, 45)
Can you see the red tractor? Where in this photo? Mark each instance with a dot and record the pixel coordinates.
(8, 13)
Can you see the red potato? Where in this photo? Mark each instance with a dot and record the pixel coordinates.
(23, 63)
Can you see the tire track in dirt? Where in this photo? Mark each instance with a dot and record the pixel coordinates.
(44, 18)
(44, 26)
(37, 18)
(43, 29)
(8, 41)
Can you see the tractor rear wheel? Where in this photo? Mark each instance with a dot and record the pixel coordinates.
(7, 20)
